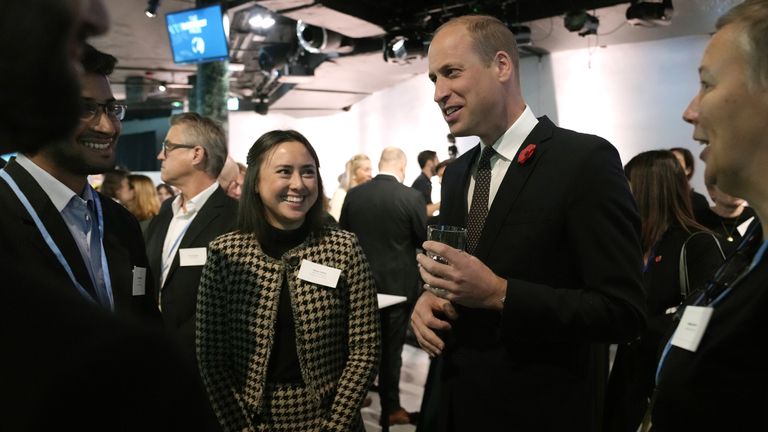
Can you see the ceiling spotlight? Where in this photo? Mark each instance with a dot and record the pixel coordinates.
(261, 22)
(151, 10)
(401, 49)
(650, 14)
(162, 87)
(582, 22)
(522, 34)
(316, 40)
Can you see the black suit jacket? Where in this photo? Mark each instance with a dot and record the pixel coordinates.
(123, 245)
(178, 296)
(389, 220)
(724, 384)
(563, 230)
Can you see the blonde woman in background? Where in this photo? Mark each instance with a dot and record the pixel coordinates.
(357, 171)
(145, 204)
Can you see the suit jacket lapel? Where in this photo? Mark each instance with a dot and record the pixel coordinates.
(207, 214)
(514, 182)
(53, 222)
(456, 213)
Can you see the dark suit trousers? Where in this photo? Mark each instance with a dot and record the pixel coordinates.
(394, 323)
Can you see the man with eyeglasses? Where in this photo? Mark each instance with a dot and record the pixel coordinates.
(192, 158)
(72, 230)
(67, 361)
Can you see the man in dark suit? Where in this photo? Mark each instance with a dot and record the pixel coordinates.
(389, 220)
(62, 351)
(192, 157)
(90, 230)
(428, 162)
(552, 268)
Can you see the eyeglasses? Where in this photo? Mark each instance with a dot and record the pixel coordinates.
(169, 147)
(92, 109)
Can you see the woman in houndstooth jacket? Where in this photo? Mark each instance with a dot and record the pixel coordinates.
(287, 319)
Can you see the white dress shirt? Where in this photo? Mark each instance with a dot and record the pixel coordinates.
(506, 147)
(182, 219)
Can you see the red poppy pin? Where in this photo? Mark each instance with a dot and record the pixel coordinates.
(526, 154)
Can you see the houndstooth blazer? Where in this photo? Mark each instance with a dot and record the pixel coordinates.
(337, 329)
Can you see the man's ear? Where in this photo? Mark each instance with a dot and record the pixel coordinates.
(199, 157)
(504, 66)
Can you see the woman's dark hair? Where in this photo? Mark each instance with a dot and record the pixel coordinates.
(687, 158)
(251, 216)
(167, 188)
(662, 193)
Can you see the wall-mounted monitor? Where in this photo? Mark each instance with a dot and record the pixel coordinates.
(197, 35)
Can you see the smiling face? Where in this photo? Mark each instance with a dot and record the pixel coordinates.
(728, 116)
(92, 151)
(287, 185)
(97, 137)
(469, 92)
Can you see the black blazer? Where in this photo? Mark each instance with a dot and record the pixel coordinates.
(178, 296)
(724, 384)
(564, 231)
(123, 245)
(389, 220)
(632, 378)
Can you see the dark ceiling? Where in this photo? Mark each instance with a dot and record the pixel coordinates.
(413, 13)
(274, 69)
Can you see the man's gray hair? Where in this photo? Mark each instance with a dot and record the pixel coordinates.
(751, 17)
(207, 133)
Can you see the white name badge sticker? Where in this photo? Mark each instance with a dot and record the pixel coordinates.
(190, 257)
(139, 281)
(691, 328)
(319, 274)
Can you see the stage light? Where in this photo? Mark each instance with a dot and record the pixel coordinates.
(316, 40)
(650, 14)
(402, 48)
(522, 34)
(151, 10)
(582, 22)
(261, 22)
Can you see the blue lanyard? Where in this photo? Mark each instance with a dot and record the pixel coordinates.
(702, 296)
(55, 249)
(172, 249)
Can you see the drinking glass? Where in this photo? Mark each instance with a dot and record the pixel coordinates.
(453, 236)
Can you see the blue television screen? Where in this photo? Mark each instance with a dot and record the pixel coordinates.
(197, 35)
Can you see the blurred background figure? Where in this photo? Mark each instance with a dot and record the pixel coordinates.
(165, 191)
(699, 202)
(662, 193)
(145, 204)
(231, 177)
(390, 223)
(116, 186)
(729, 217)
(428, 163)
(439, 170)
(357, 171)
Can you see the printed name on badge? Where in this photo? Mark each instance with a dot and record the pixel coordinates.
(319, 274)
(189, 257)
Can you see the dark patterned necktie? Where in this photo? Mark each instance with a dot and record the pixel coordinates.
(479, 208)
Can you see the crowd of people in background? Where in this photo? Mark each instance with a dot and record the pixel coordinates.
(237, 297)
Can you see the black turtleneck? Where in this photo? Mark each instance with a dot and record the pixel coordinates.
(284, 363)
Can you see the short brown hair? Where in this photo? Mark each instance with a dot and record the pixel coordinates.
(489, 36)
(752, 17)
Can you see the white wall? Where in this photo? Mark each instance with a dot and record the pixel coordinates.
(631, 94)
